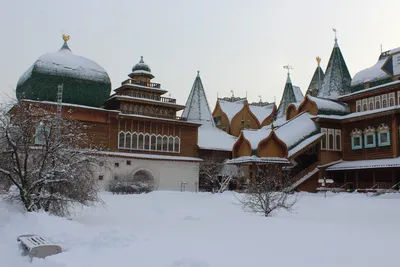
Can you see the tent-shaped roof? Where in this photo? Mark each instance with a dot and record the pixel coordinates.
(291, 94)
(337, 77)
(317, 79)
(197, 109)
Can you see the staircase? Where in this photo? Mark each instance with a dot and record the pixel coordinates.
(303, 176)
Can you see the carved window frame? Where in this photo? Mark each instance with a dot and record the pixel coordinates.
(383, 130)
(356, 135)
(369, 132)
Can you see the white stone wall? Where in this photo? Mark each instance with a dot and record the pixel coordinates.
(167, 175)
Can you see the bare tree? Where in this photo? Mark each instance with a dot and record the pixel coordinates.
(267, 192)
(216, 176)
(42, 157)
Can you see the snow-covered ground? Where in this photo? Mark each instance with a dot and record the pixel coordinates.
(203, 230)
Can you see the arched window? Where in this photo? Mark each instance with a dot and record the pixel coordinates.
(391, 99)
(146, 110)
(141, 110)
(130, 108)
(153, 140)
(170, 144)
(364, 105)
(369, 137)
(177, 144)
(338, 136)
(384, 101)
(134, 141)
(136, 109)
(128, 140)
(356, 139)
(323, 142)
(165, 143)
(358, 106)
(159, 142)
(331, 139)
(146, 142)
(383, 135)
(140, 141)
(121, 140)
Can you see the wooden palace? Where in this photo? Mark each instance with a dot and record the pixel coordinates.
(343, 129)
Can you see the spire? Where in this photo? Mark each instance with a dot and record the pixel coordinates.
(65, 45)
(141, 59)
(317, 79)
(337, 77)
(288, 96)
(336, 44)
(197, 109)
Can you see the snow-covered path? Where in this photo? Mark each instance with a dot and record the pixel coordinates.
(203, 230)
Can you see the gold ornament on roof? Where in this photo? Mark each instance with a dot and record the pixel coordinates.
(65, 37)
(318, 60)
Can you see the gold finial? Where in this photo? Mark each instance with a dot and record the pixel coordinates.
(318, 60)
(65, 37)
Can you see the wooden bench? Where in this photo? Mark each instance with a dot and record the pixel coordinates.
(38, 246)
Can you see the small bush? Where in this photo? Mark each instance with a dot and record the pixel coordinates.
(129, 187)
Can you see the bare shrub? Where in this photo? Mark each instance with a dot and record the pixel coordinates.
(267, 192)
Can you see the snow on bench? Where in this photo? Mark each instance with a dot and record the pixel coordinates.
(38, 246)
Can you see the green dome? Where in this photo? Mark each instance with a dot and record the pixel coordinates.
(85, 82)
(141, 66)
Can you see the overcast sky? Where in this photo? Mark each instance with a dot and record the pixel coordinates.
(237, 45)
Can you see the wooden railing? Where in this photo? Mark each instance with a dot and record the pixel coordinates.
(304, 172)
(142, 83)
(168, 100)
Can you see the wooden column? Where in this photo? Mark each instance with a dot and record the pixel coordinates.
(253, 172)
(395, 137)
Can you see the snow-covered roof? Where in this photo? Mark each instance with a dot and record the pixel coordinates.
(231, 108)
(143, 99)
(366, 164)
(304, 144)
(337, 77)
(142, 72)
(71, 105)
(255, 136)
(148, 156)
(64, 63)
(212, 138)
(298, 94)
(375, 72)
(290, 132)
(317, 79)
(261, 113)
(371, 89)
(255, 159)
(296, 129)
(197, 108)
(358, 114)
(330, 105)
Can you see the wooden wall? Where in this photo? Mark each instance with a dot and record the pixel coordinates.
(366, 153)
(245, 115)
(224, 119)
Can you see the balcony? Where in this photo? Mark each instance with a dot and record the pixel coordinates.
(142, 83)
(168, 100)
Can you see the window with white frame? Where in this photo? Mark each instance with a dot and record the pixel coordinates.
(384, 101)
(383, 135)
(398, 98)
(371, 103)
(145, 141)
(323, 141)
(364, 105)
(121, 140)
(338, 140)
(331, 139)
(356, 139)
(391, 99)
(128, 140)
(378, 102)
(369, 137)
(358, 106)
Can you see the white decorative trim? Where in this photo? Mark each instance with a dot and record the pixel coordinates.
(151, 138)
